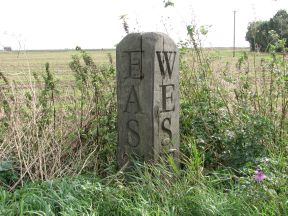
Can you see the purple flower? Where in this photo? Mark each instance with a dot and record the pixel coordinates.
(259, 175)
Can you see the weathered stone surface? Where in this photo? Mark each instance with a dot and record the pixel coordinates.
(148, 97)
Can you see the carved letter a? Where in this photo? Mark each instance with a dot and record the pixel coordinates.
(133, 101)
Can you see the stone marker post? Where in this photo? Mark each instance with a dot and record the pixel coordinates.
(148, 97)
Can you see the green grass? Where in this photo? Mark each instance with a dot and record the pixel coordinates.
(149, 191)
(17, 65)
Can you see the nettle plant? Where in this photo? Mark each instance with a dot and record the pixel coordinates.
(95, 111)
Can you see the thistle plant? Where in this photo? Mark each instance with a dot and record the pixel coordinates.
(259, 175)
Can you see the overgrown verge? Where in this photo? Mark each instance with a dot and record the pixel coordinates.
(46, 135)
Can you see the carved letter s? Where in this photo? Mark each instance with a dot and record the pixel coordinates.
(133, 137)
(166, 129)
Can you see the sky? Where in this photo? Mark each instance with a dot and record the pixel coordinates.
(96, 24)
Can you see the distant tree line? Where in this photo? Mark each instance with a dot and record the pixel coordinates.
(269, 35)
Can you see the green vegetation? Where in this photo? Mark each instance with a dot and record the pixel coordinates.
(58, 156)
(151, 191)
(269, 35)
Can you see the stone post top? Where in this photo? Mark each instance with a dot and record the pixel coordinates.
(153, 36)
(147, 33)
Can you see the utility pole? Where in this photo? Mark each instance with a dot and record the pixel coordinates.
(234, 33)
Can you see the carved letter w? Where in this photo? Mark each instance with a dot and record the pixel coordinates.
(166, 61)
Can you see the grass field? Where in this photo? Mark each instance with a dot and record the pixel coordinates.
(17, 65)
(59, 158)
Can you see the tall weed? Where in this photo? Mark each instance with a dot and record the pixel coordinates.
(43, 137)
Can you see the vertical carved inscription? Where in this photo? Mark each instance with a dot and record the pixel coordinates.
(166, 60)
(133, 104)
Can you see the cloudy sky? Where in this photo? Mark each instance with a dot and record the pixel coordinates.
(65, 24)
